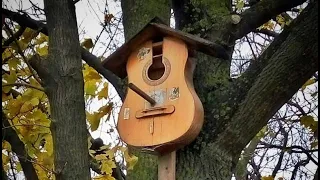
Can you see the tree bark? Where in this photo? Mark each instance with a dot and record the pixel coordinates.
(63, 82)
(215, 152)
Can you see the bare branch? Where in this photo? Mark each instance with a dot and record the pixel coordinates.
(262, 12)
(297, 166)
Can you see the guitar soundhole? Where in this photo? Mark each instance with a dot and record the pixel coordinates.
(157, 68)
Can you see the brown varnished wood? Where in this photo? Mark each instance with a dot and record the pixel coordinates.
(163, 132)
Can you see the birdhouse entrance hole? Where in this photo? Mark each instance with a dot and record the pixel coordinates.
(157, 68)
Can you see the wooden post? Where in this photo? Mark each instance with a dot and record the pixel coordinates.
(167, 166)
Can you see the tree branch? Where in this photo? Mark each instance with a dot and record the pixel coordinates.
(23, 84)
(296, 167)
(291, 149)
(285, 141)
(271, 81)
(261, 13)
(12, 38)
(22, 55)
(89, 58)
(18, 147)
(266, 32)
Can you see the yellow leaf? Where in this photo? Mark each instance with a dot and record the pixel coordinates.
(314, 144)
(267, 178)
(30, 150)
(92, 152)
(28, 35)
(18, 167)
(94, 120)
(87, 43)
(309, 82)
(307, 121)
(107, 165)
(14, 106)
(104, 177)
(6, 145)
(41, 39)
(240, 5)
(90, 87)
(110, 153)
(5, 97)
(5, 158)
(105, 109)
(10, 78)
(27, 106)
(13, 63)
(7, 53)
(104, 92)
(280, 20)
(34, 101)
(49, 144)
(42, 51)
(130, 159)
(100, 157)
(93, 74)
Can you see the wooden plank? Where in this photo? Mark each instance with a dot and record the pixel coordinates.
(167, 166)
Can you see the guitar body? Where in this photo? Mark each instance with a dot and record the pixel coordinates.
(162, 70)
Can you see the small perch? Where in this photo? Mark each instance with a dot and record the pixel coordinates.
(142, 94)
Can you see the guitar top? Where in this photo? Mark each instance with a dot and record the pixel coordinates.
(162, 70)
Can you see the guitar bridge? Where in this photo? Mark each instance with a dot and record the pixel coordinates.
(155, 111)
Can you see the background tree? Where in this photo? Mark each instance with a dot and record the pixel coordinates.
(241, 96)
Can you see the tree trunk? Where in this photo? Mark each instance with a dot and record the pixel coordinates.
(62, 79)
(214, 154)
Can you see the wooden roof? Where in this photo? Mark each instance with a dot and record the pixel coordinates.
(117, 61)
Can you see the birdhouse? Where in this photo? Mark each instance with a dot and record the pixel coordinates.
(161, 111)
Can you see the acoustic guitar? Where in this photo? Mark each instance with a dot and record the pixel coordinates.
(173, 115)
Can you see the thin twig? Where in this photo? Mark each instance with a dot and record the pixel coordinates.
(255, 58)
(23, 84)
